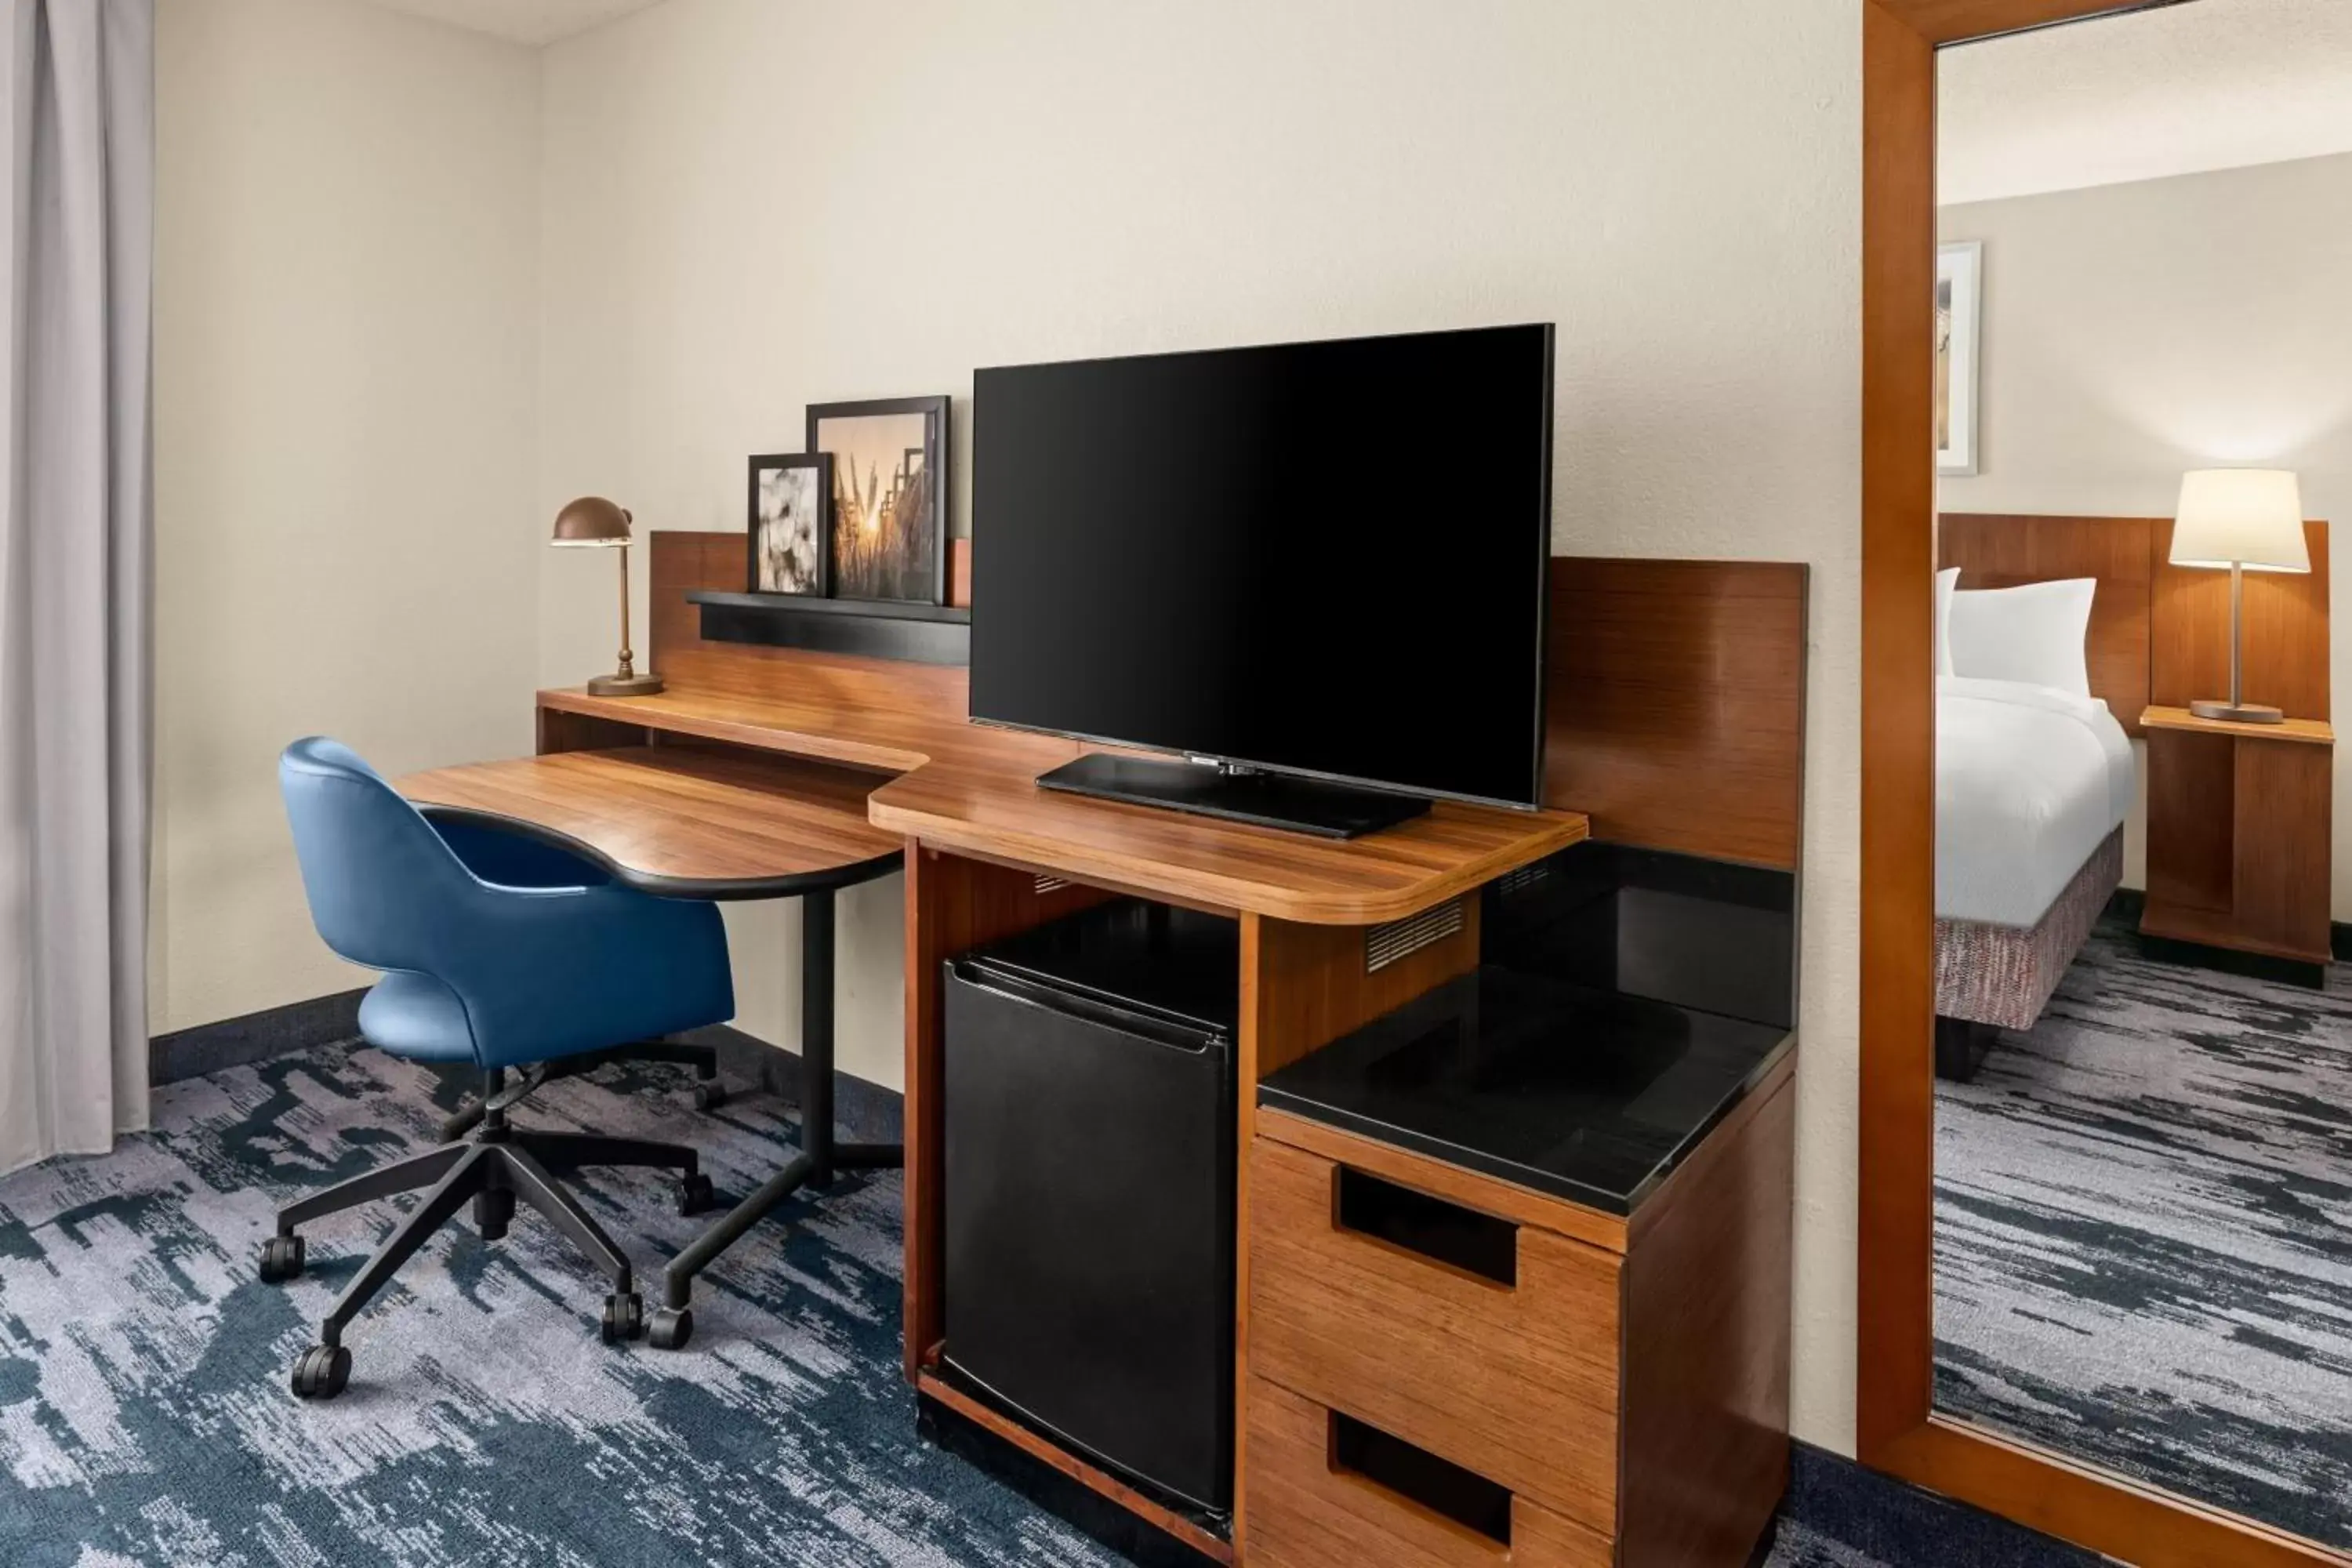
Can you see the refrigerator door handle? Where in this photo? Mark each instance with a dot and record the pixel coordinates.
(1139, 1025)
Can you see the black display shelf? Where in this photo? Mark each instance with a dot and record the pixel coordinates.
(1591, 1096)
(926, 634)
(1630, 1000)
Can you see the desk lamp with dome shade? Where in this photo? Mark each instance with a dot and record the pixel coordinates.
(594, 522)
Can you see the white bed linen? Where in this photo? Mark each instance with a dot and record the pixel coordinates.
(2029, 781)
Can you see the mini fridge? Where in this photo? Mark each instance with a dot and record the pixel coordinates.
(1089, 1114)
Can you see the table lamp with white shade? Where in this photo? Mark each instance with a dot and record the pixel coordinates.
(2248, 519)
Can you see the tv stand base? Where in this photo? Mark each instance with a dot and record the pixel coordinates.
(1270, 800)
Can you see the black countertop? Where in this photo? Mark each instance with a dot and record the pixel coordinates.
(1591, 1096)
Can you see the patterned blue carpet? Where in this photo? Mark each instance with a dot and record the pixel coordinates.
(2144, 1235)
(144, 1418)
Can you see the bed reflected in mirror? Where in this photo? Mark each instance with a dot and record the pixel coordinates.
(2144, 1051)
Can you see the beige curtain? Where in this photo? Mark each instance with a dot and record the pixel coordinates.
(77, 157)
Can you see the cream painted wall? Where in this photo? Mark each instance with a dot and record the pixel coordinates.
(748, 206)
(2133, 331)
(345, 360)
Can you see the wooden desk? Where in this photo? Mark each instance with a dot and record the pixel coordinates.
(680, 821)
(2239, 834)
(970, 789)
(1677, 714)
(689, 821)
(988, 855)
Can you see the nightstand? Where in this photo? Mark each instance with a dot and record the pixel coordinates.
(2239, 834)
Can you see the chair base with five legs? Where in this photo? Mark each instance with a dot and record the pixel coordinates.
(496, 1165)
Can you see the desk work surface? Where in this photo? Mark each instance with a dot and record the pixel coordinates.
(971, 789)
(682, 820)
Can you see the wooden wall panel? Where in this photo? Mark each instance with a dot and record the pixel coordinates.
(1675, 703)
(2286, 632)
(681, 562)
(2002, 551)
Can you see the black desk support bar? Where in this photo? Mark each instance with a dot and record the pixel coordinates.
(820, 1156)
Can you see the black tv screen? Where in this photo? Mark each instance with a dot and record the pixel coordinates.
(1324, 558)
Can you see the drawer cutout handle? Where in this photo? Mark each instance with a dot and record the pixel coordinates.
(1420, 1477)
(1428, 1227)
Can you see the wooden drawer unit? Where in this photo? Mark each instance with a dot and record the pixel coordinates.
(1444, 1368)
(1491, 1344)
(1310, 1507)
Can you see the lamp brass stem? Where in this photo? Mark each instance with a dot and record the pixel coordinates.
(2237, 710)
(628, 659)
(624, 681)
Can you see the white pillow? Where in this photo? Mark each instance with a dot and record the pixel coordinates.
(1945, 582)
(2035, 634)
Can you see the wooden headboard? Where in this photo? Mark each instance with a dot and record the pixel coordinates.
(1677, 704)
(2159, 633)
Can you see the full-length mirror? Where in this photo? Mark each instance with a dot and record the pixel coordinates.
(2143, 1243)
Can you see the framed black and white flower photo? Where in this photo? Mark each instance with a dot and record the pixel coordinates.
(789, 523)
(889, 505)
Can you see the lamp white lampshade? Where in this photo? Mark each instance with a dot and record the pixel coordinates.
(2240, 517)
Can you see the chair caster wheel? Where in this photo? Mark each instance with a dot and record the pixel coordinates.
(672, 1327)
(709, 1096)
(493, 1208)
(320, 1371)
(281, 1258)
(695, 1193)
(624, 1317)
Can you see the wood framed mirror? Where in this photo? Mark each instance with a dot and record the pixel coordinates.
(1899, 1429)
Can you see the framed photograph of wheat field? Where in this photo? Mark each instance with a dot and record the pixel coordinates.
(789, 513)
(889, 498)
(1960, 316)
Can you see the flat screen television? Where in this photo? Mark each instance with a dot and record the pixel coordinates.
(1315, 571)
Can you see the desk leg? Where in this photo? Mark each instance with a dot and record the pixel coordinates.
(819, 1155)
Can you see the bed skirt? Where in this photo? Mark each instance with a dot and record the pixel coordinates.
(2004, 975)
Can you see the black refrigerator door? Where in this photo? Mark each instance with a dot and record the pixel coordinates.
(1089, 1220)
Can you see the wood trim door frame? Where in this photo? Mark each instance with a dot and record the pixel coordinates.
(1898, 1429)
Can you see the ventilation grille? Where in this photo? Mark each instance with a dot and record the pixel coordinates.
(1383, 945)
(1050, 884)
(1511, 883)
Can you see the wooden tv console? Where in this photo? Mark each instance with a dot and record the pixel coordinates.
(1629, 1392)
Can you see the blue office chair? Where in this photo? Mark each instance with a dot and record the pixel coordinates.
(505, 954)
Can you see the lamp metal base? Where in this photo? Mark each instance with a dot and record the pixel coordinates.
(2237, 712)
(624, 685)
